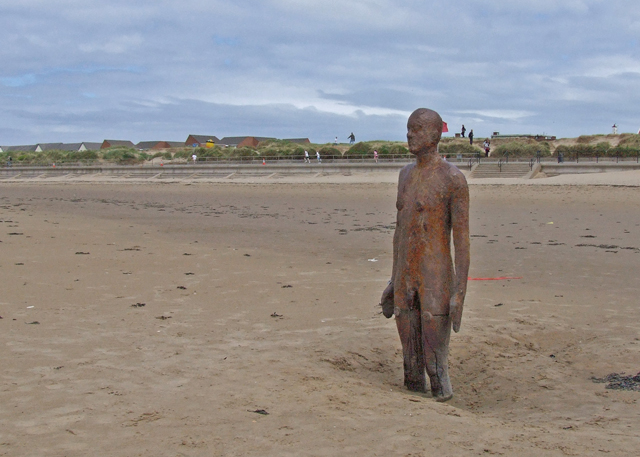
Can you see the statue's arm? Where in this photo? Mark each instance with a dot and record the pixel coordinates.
(387, 300)
(462, 247)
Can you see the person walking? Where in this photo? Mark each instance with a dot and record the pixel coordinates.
(375, 156)
(306, 157)
(335, 142)
(352, 138)
(462, 130)
(471, 137)
(487, 147)
(318, 157)
(194, 157)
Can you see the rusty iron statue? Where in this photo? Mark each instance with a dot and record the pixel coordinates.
(426, 292)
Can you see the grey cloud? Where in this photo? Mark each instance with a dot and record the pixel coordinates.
(113, 65)
(176, 120)
(380, 97)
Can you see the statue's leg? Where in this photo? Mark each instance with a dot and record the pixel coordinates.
(436, 331)
(409, 325)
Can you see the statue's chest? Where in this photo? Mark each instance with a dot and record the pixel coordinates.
(422, 197)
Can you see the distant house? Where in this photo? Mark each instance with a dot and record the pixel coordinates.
(111, 143)
(42, 147)
(23, 148)
(243, 141)
(69, 147)
(88, 146)
(200, 140)
(146, 145)
(157, 145)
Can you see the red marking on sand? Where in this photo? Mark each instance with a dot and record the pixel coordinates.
(501, 278)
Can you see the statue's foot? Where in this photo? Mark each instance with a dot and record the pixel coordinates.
(416, 386)
(442, 398)
(441, 389)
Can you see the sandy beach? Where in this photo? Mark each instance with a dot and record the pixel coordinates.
(217, 318)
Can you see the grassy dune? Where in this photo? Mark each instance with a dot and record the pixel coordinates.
(623, 145)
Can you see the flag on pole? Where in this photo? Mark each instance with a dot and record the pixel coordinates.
(444, 127)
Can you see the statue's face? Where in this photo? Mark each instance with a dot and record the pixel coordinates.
(423, 132)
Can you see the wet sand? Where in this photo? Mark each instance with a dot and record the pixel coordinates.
(167, 319)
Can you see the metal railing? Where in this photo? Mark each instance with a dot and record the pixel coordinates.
(386, 158)
(470, 159)
(254, 159)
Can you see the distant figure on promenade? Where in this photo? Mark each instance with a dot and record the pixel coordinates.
(10, 162)
(335, 142)
(487, 147)
(471, 137)
(462, 130)
(352, 138)
(375, 156)
(306, 157)
(318, 157)
(614, 127)
(194, 158)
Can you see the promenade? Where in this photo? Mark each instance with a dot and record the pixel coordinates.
(544, 172)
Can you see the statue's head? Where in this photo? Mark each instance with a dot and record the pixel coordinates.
(424, 130)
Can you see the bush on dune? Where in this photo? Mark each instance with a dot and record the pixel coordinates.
(166, 155)
(522, 149)
(292, 153)
(25, 157)
(623, 151)
(392, 149)
(630, 141)
(242, 152)
(82, 156)
(122, 155)
(585, 139)
(270, 152)
(453, 149)
(330, 151)
(360, 148)
(215, 151)
(182, 154)
(602, 149)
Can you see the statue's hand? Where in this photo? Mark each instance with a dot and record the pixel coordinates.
(455, 311)
(387, 302)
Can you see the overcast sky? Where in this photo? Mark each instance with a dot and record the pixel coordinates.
(86, 70)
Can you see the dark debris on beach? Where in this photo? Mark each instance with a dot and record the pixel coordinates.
(617, 381)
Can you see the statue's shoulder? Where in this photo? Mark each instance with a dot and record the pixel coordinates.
(405, 171)
(455, 176)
